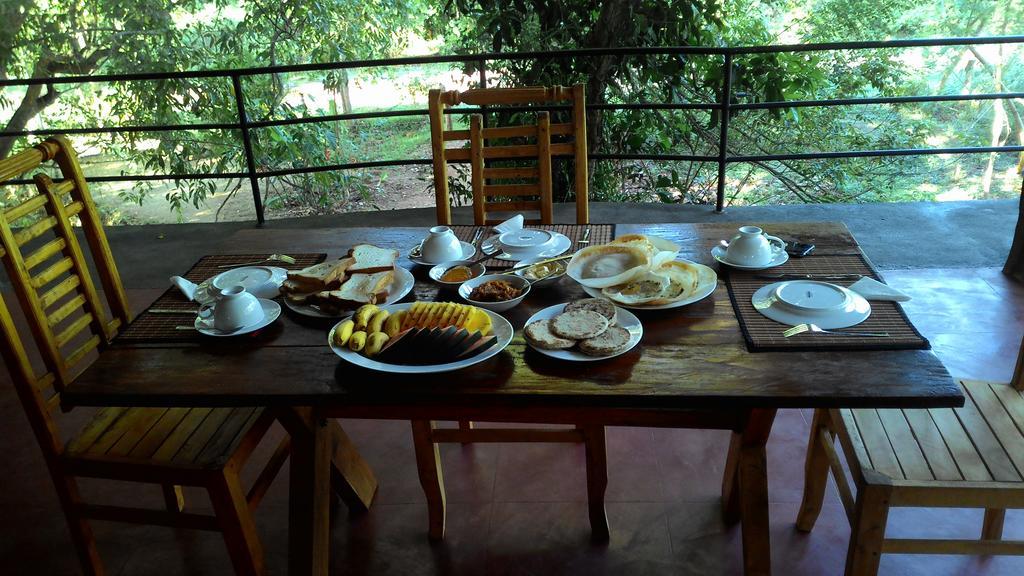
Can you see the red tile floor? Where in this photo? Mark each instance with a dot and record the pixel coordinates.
(519, 509)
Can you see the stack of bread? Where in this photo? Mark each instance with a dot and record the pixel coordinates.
(363, 276)
(587, 325)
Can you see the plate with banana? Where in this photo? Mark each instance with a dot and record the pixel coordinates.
(419, 337)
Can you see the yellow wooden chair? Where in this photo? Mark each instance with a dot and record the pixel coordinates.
(486, 180)
(970, 457)
(169, 447)
(574, 135)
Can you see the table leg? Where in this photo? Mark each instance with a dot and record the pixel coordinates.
(308, 492)
(745, 489)
(351, 476)
(428, 461)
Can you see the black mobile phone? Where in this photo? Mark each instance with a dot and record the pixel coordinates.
(799, 250)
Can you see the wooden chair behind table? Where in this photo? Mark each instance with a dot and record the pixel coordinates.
(67, 317)
(970, 457)
(492, 192)
(425, 435)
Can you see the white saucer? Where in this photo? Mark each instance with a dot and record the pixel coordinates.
(623, 318)
(559, 243)
(400, 286)
(779, 257)
(271, 310)
(810, 302)
(467, 253)
(260, 281)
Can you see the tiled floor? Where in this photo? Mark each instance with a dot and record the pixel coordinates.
(520, 509)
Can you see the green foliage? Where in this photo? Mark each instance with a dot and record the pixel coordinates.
(118, 36)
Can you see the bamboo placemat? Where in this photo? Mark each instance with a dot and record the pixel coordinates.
(156, 327)
(599, 234)
(763, 334)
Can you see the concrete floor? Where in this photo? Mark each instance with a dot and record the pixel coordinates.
(909, 235)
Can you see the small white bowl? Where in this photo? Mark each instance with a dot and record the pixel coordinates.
(436, 272)
(525, 242)
(547, 280)
(521, 283)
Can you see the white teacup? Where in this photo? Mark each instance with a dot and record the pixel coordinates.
(441, 245)
(234, 309)
(752, 247)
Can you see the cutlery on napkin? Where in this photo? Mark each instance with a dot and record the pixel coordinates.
(187, 288)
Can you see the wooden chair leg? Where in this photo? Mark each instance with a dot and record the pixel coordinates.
(597, 481)
(867, 531)
(236, 522)
(992, 526)
(816, 471)
(465, 426)
(174, 497)
(731, 481)
(428, 462)
(81, 532)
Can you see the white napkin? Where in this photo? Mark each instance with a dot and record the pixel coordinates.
(874, 290)
(513, 223)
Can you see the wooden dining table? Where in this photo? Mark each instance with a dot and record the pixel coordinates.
(692, 369)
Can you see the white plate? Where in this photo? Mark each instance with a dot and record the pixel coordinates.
(400, 286)
(467, 254)
(623, 318)
(779, 258)
(702, 292)
(559, 244)
(810, 302)
(499, 326)
(271, 311)
(260, 281)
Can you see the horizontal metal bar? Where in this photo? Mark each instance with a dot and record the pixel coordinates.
(122, 129)
(582, 52)
(647, 157)
(874, 153)
(878, 100)
(338, 117)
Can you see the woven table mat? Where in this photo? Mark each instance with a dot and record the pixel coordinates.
(599, 234)
(161, 327)
(763, 334)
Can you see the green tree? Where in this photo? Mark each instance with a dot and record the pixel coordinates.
(48, 39)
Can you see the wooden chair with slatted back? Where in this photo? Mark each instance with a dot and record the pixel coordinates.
(68, 320)
(486, 187)
(969, 457)
(490, 183)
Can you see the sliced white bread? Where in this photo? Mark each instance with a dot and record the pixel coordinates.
(319, 276)
(370, 259)
(360, 289)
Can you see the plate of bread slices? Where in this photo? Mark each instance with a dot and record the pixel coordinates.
(642, 273)
(419, 337)
(583, 330)
(333, 289)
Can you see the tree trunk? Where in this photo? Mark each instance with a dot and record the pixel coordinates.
(346, 103)
(32, 104)
(1014, 267)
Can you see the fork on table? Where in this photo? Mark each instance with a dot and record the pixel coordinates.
(272, 258)
(801, 328)
(586, 237)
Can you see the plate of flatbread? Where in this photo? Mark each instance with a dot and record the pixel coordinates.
(583, 330)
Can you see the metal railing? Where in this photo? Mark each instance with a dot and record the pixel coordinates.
(724, 105)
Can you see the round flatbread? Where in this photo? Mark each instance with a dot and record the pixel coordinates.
(539, 334)
(600, 305)
(579, 324)
(609, 342)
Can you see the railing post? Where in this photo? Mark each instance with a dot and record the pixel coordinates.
(483, 84)
(723, 135)
(243, 124)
